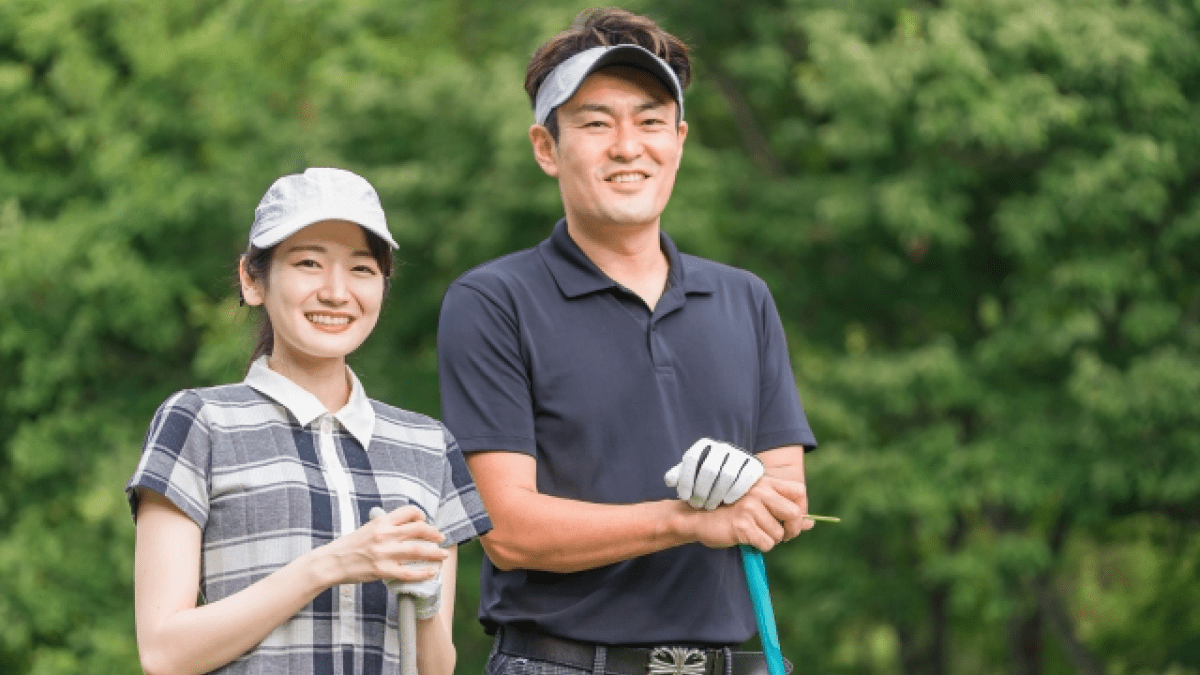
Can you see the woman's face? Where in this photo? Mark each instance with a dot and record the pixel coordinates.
(323, 294)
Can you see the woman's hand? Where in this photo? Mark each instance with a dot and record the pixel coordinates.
(399, 545)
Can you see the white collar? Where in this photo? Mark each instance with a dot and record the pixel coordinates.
(357, 416)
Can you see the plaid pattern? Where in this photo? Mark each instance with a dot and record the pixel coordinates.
(250, 464)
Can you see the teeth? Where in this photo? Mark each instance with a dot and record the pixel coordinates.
(627, 178)
(328, 320)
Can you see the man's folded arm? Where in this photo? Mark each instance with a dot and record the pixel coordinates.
(542, 532)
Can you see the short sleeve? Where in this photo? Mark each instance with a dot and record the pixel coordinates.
(461, 515)
(485, 387)
(781, 416)
(175, 457)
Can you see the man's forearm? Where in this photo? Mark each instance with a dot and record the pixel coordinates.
(562, 535)
(786, 463)
(543, 532)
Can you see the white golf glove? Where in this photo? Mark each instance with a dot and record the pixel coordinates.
(426, 595)
(713, 473)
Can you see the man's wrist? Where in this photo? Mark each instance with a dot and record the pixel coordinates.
(680, 523)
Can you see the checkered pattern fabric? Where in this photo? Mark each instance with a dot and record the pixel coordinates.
(262, 485)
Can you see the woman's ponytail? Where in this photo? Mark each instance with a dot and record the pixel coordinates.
(257, 263)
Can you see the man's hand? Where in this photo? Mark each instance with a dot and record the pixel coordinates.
(773, 511)
(713, 473)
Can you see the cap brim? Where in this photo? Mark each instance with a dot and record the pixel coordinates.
(282, 231)
(618, 55)
(632, 55)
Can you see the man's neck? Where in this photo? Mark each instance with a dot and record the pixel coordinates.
(630, 255)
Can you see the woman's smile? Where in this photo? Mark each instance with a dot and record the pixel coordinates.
(329, 322)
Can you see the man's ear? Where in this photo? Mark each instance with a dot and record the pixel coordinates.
(544, 149)
(252, 292)
(681, 131)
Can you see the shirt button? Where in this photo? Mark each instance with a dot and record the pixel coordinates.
(347, 592)
(326, 425)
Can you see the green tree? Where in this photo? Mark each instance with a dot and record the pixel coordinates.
(977, 218)
(979, 221)
(135, 139)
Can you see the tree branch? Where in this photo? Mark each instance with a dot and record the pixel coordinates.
(1024, 638)
(752, 136)
(1193, 314)
(1063, 626)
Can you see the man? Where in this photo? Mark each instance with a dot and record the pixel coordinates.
(576, 374)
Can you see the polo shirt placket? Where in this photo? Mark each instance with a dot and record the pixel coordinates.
(337, 478)
(661, 355)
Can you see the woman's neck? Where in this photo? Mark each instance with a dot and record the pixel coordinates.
(326, 379)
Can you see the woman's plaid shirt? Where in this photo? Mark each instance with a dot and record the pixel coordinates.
(268, 475)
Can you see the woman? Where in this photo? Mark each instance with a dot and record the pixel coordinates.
(258, 496)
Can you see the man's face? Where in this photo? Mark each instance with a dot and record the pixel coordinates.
(618, 149)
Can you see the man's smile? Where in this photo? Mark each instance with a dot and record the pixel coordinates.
(627, 177)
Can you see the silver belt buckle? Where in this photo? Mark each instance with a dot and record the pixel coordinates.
(677, 661)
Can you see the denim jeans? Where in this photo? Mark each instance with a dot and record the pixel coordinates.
(500, 663)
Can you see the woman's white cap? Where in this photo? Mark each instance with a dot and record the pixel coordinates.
(562, 82)
(296, 201)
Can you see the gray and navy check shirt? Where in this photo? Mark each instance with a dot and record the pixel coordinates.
(268, 474)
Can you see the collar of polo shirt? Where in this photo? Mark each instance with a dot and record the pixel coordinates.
(357, 416)
(576, 275)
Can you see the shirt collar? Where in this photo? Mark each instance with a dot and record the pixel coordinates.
(576, 275)
(357, 416)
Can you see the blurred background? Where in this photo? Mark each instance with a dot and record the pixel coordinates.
(978, 217)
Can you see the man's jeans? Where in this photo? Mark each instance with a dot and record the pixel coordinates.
(506, 664)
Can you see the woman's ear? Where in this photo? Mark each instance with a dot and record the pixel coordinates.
(252, 291)
(543, 149)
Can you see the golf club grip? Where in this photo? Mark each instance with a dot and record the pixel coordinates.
(764, 613)
(408, 634)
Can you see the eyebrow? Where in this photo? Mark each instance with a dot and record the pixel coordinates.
(601, 108)
(305, 247)
(317, 248)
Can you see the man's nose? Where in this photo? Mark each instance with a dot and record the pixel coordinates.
(627, 143)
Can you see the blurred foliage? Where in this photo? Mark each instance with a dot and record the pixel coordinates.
(978, 217)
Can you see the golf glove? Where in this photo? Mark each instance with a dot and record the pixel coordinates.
(713, 473)
(426, 595)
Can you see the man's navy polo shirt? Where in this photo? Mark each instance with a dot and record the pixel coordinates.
(542, 353)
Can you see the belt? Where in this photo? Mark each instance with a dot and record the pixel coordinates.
(666, 660)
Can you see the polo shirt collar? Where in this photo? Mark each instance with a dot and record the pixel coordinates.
(576, 275)
(357, 416)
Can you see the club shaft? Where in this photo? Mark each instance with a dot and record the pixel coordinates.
(408, 635)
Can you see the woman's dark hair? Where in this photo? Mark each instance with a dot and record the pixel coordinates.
(258, 268)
